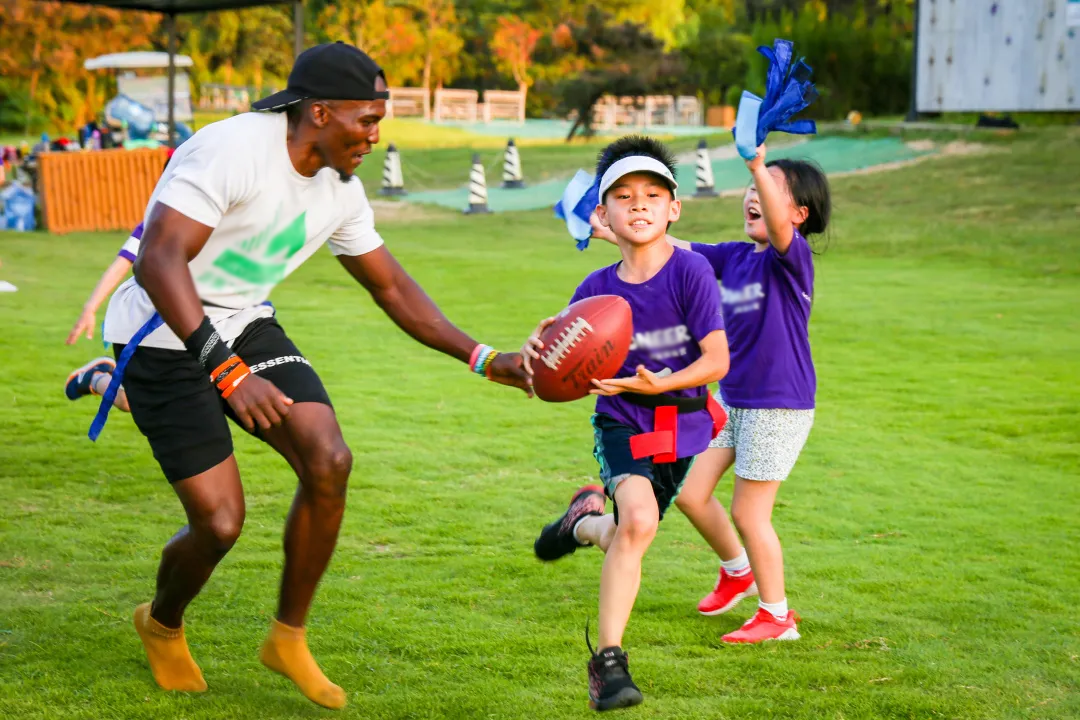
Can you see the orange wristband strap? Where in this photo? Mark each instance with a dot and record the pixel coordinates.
(236, 375)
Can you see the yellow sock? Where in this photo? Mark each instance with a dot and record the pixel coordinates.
(167, 651)
(286, 651)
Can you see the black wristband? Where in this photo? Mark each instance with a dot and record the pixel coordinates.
(206, 346)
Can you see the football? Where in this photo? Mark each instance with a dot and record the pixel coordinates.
(590, 339)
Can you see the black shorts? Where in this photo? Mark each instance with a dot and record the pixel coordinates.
(182, 414)
(612, 451)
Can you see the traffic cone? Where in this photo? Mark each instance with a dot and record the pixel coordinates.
(706, 185)
(393, 183)
(512, 176)
(477, 188)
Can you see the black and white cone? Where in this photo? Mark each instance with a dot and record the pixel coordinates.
(477, 188)
(512, 175)
(706, 185)
(393, 182)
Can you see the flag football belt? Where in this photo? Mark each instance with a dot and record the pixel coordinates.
(661, 443)
(153, 323)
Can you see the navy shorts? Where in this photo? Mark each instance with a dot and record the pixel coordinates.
(612, 451)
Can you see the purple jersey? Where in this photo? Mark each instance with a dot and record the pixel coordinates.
(673, 312)
(766, 298)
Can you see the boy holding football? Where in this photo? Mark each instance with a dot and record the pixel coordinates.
(652, 420)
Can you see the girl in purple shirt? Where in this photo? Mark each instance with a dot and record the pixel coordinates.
(767, 292)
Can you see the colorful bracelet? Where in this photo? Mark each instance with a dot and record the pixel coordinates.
(479, 357)
(475, 354)
(489, 363)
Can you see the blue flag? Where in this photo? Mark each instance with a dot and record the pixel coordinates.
(577, 204)
(788, 91)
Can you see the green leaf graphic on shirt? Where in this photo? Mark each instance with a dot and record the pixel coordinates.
(261, 260)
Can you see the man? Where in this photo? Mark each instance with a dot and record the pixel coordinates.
(242, 204)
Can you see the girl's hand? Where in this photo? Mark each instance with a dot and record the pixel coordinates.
(644, 383)
(85, 324)
(531, 349)
(600, 231)
(759, 160)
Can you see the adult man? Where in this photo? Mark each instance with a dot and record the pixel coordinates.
(243, 203)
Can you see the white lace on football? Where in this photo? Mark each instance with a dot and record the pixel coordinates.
(566, 340)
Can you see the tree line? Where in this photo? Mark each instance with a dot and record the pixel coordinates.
(565, 53)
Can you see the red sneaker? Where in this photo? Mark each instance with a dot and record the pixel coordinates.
(765, 626)
(729, 591)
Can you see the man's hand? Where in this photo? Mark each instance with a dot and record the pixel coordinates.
(645, 382)
(509, 369)
(531, 349)
(85, 324)
(258, 402)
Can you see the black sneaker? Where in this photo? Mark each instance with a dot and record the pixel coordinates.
(557, 539)
(610, 684)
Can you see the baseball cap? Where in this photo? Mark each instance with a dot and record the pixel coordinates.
(633, 164)
(331, 71)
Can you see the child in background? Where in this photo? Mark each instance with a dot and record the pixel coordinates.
(94, 377)
(769, 394)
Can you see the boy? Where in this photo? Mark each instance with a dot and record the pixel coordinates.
(651, 423)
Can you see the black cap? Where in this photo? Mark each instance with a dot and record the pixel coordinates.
(331, 71)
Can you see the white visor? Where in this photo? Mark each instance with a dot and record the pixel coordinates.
(633, 164)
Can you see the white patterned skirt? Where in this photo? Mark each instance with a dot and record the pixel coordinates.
(767, 441)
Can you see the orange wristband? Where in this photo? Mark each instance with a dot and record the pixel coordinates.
(228, 375)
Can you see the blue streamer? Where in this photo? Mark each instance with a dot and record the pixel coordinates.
(107, 399)
(577, 204)
(788, 91)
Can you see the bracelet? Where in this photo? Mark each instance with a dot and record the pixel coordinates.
(228, 376)
(475, 354)
(490, 362)
(479, 357)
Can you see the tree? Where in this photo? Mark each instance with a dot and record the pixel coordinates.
(442, 43)
(717, 57)
(389, 34)
(513, 44)
(42, 49)
(626, 59)
(660, 18)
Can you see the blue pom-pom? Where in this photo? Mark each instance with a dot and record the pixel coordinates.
(577, 204)
(788, 91)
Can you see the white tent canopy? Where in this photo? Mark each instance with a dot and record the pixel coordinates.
(134, 60)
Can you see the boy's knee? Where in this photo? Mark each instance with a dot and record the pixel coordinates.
(638, 524)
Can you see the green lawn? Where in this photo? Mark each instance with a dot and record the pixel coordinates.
(931, 532)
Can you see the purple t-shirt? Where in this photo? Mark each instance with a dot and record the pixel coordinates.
(766, 298)
(673, 312)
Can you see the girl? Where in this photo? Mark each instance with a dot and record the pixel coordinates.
(767, 291)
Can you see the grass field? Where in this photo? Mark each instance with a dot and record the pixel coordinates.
(931, 532)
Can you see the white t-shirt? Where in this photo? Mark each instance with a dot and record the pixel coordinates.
(236, 177)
